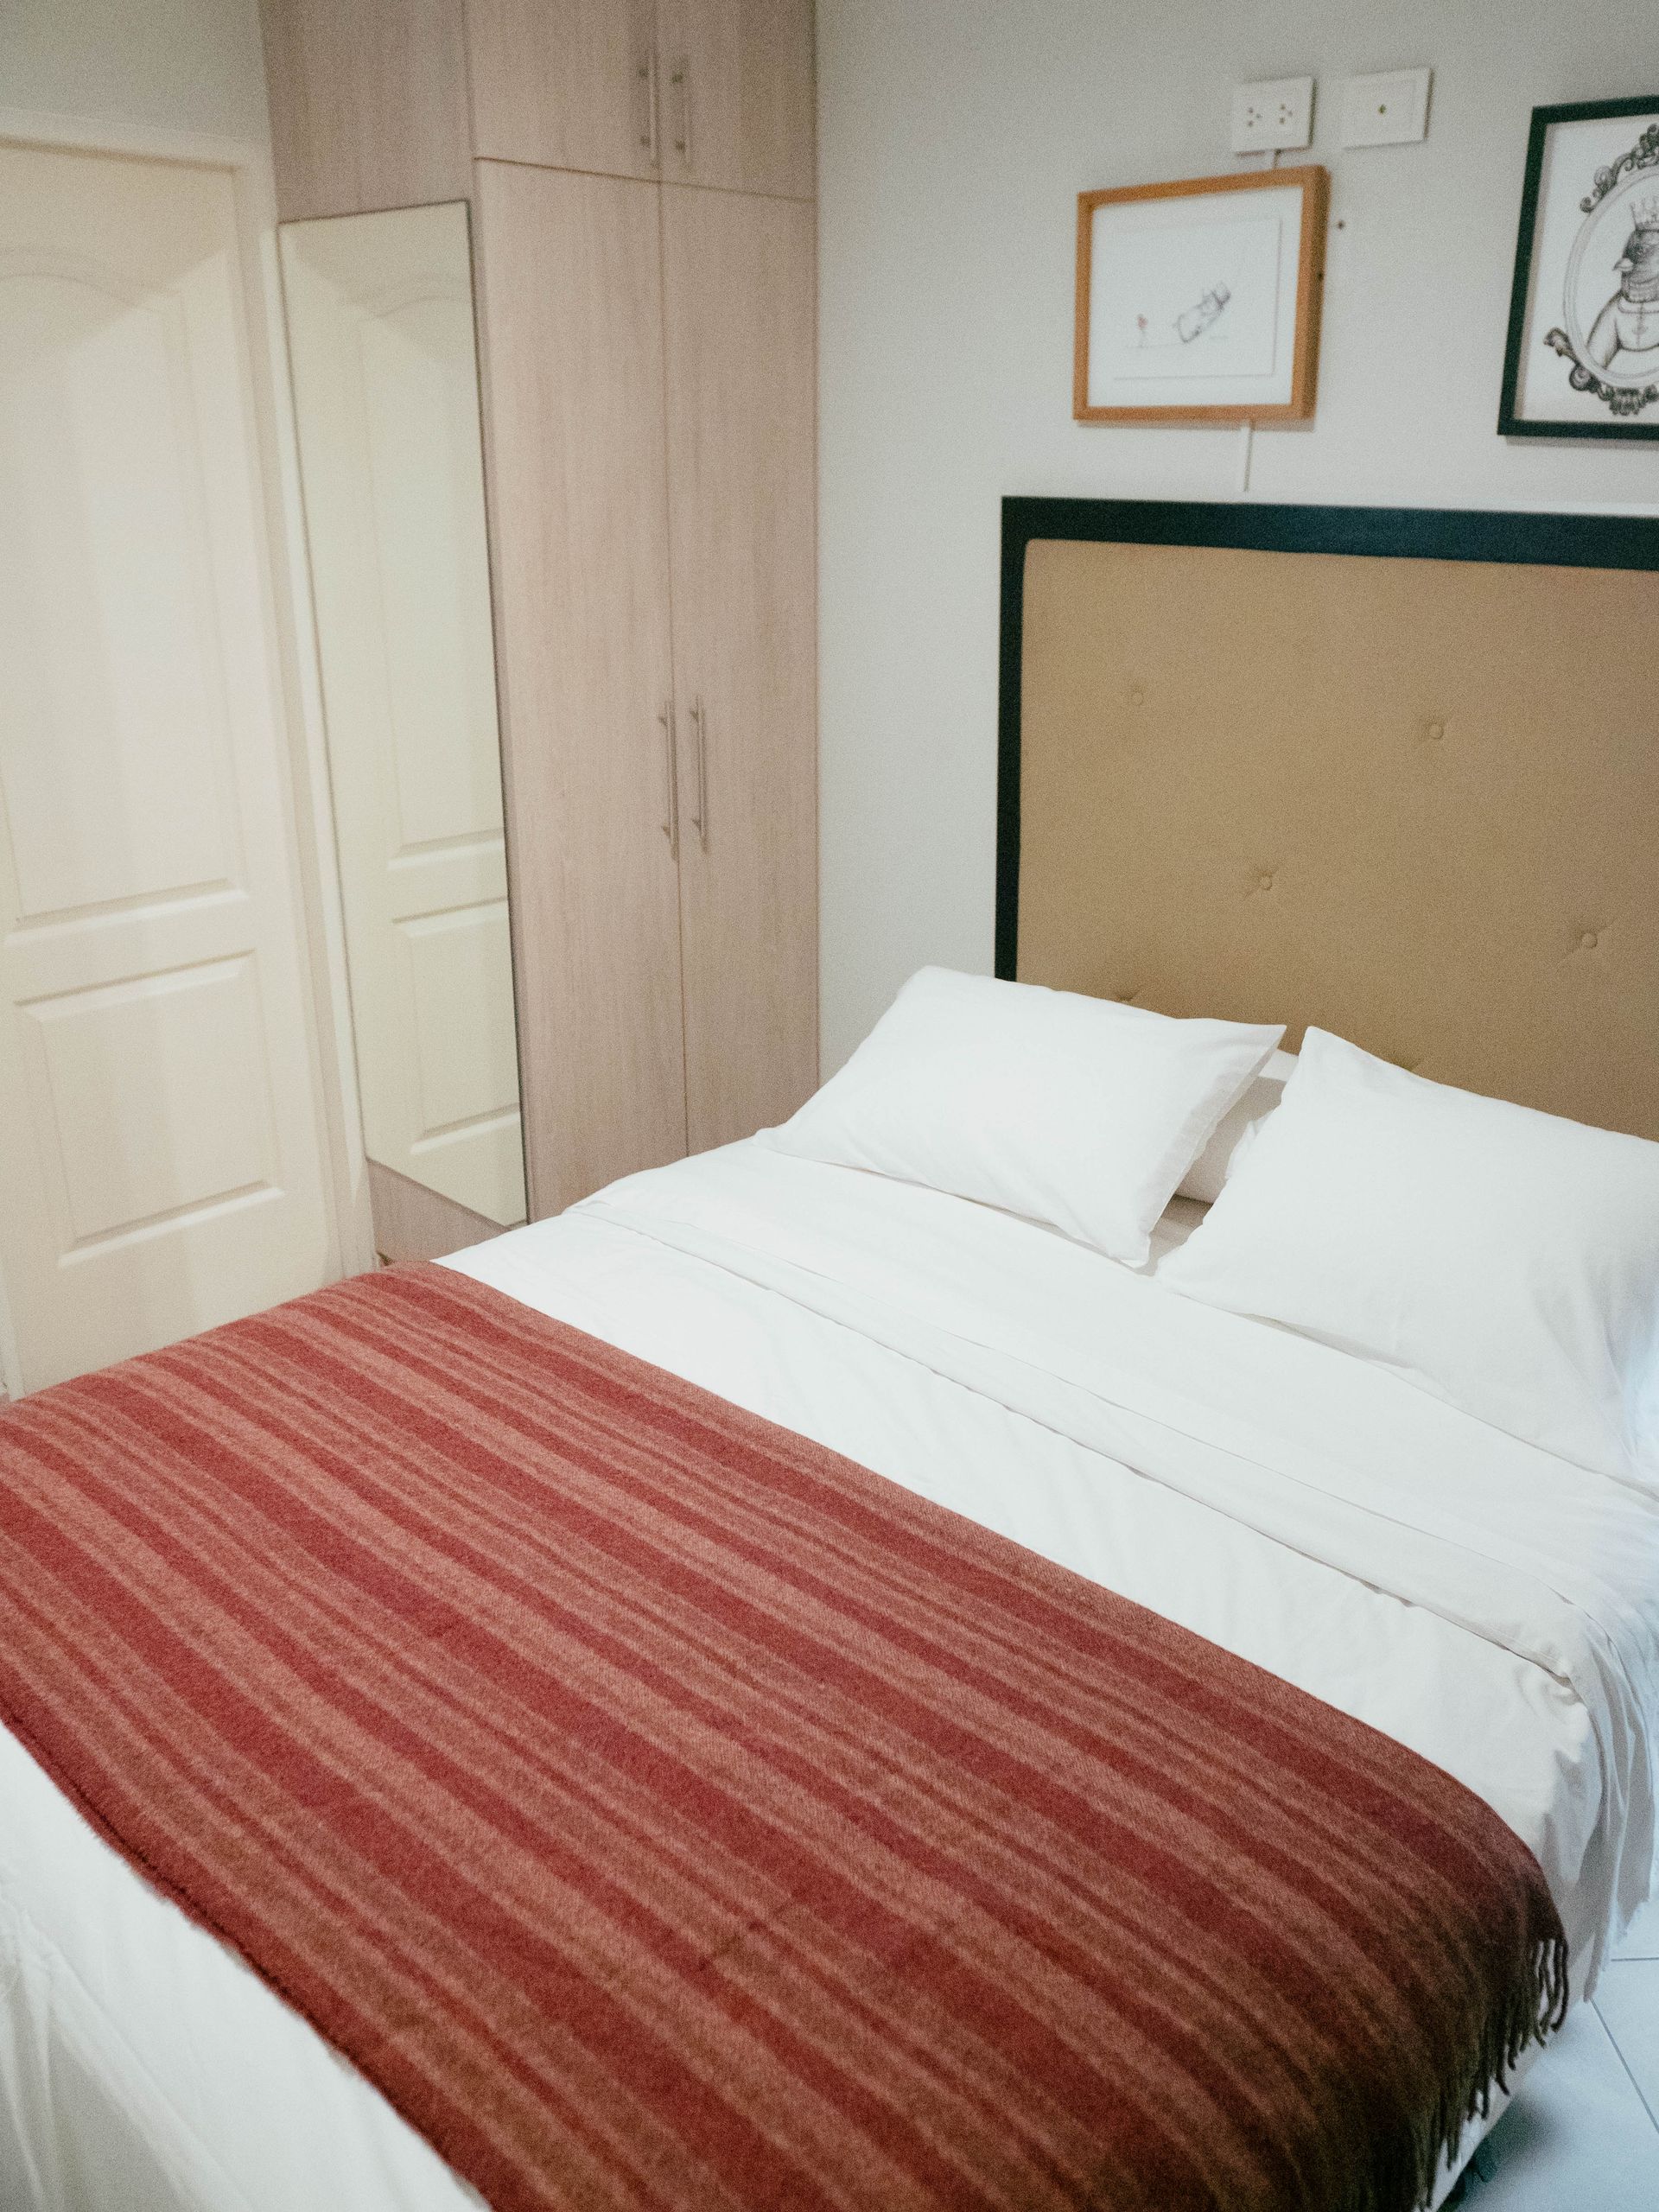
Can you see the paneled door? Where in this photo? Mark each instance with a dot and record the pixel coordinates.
(161, 1145)
(739, 291)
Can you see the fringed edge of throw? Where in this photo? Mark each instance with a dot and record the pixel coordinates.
(1403, 2175)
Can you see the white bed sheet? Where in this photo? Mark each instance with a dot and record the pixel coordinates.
(1490, 1606)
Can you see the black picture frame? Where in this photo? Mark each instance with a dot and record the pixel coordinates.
(1509, 423)
(1555, 541)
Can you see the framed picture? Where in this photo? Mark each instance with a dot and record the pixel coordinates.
(1199, 301)
(1583, 355)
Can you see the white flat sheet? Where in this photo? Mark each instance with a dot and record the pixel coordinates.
(1490, 1606)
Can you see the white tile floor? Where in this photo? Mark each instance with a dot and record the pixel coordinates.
(1583, 2134)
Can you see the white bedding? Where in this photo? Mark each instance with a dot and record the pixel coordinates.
(1485, 1603)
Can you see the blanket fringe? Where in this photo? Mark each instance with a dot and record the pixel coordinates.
(1402, 2176)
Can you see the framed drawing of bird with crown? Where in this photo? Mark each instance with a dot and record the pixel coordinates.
(1583, 354)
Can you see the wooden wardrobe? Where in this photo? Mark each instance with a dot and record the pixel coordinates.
(641, 176)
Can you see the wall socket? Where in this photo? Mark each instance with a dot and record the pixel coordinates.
(1274, 116)
(1390, 109)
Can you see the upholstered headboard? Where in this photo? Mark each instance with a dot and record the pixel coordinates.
(1393, 773)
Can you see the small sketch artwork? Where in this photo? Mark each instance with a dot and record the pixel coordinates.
(1609, 332)
(1197, 320)
(1199, 300)
(1192, 322)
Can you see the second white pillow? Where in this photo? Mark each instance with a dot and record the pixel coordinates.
(1506, 1260)
(1075, 1111)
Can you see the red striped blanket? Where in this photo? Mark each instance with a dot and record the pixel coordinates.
(666, 1812)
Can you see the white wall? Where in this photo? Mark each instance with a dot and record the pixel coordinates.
(173, 65)
(954, 137)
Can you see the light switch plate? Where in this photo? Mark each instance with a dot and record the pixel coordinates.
(1276, 115)
(1390, 109)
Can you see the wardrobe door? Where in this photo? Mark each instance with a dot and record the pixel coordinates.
(739, 287)
(573, 382)
(736, 92)
(568, 84)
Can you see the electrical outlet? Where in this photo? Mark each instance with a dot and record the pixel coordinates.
(1275, 114)
(1387, 110)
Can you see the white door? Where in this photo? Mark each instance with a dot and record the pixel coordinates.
(161, 1147)
(385, 386)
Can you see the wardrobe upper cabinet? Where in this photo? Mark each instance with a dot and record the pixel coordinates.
(567, 84)
(692, 92)
(735, 88)
(368, 103)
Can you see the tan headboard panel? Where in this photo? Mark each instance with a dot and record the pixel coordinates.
(1414, 800)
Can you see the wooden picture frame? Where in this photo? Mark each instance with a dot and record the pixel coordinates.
(1590, 193)
(1145, 354)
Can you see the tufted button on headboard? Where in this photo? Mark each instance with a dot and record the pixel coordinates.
(1412, 800)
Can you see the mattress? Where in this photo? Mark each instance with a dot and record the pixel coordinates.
(1492, 1607)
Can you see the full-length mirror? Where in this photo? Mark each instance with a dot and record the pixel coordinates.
(385, 380)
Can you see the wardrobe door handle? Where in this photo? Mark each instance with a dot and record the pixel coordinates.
(680, 78)
(670, 780)
(647, 75)
(700, 819)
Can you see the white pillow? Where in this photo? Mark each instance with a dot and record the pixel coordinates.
(1507, 1260)
(1235, 1131)
(1074, 1111)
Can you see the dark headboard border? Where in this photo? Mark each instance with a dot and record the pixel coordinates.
(1410, 533)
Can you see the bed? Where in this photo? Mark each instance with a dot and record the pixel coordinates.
(1475, 1597)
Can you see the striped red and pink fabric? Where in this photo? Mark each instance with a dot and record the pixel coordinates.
(666, 1812)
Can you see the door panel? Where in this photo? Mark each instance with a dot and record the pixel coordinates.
(91, 824)
(385, 382)
(739, 277)
(568, 84)
(161, 1165)
(736, 85)
(573, 380)
(129, 1154)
